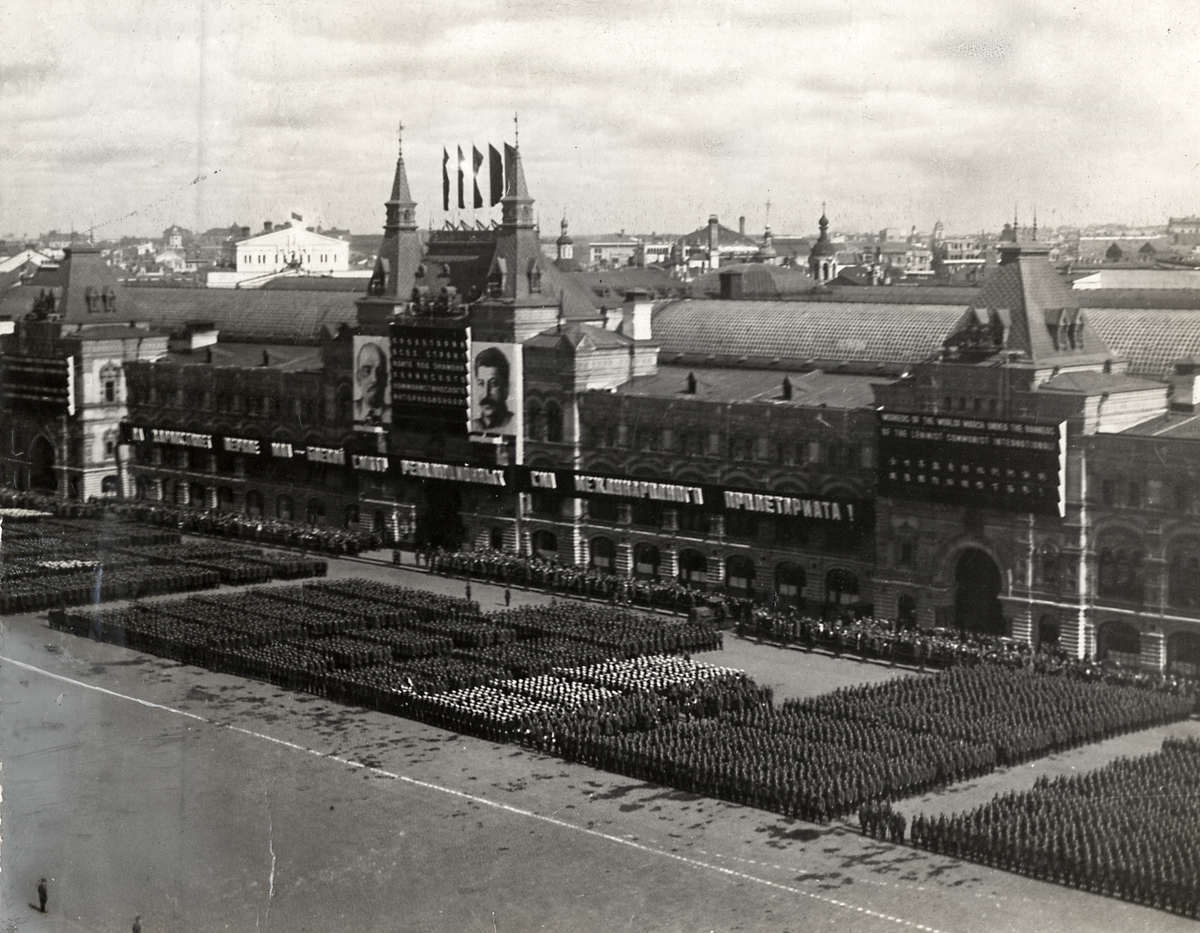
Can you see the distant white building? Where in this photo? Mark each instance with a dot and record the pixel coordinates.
(31, 257)
(292, 247)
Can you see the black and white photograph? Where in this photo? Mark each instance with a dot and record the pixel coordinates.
(486, 466)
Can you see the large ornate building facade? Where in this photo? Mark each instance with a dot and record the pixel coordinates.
(1014, 463)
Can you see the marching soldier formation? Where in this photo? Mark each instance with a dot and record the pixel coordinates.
(1128, 830)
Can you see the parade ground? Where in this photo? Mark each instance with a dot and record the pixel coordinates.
(205, 802)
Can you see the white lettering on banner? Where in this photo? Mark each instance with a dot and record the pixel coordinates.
(639, 489)
(334, 455)
(790, 506)
(366, 462)
(461, 474)
(542, 479)
(281, 449)
(242, 445)
(138, 434)
(181, 438)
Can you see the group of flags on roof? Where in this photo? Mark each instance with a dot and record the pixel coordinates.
(497, 178)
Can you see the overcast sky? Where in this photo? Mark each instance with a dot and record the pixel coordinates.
(637, 116)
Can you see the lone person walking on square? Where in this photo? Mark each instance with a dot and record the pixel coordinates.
(507, 597)
(41, 889)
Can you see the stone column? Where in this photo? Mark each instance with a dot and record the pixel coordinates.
(210, 495)
(1022, 624)
(668, 567)
(716, 570)
(1152, 647)
(624, 558)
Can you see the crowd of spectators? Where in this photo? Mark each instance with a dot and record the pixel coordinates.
(517, 570)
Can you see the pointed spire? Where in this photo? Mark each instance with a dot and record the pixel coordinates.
(401, 208)
(516, 207)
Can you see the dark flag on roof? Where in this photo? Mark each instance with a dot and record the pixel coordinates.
(510, 165)
(445, 179)
(496, 171)
(462, 201)
(476, 164)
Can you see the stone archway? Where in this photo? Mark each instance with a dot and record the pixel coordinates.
(977, 593)
(41, 466)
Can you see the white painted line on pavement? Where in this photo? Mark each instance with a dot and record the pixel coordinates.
(484, 801)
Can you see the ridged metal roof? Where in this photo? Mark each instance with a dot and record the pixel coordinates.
(1150, 340)
(799, 331)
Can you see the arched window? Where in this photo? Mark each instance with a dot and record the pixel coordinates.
(739, 574)
(315, 513)
(533, 422)
(906, 611)
(141, 488)
(789, 582)
(1119, 569)
(224, 498)
(496, 538)
(554, 428)
(646, 560)
(110, 487)
(254, 503)
(545, 545)
(110, 444)
(285, 508)
(841, 586)
(198, 496)
(110, 382)
(603, 553)
(350, 517)
(693, 567)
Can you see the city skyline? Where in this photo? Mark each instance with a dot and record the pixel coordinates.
(123, 122)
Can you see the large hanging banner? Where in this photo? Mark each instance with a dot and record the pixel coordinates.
(372, 384)
(496, 397)
(431, 376)
(982, 463)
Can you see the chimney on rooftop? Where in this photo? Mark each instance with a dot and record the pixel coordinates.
(714, 242)
(1185, 385)
(742, 225)
(268, 226)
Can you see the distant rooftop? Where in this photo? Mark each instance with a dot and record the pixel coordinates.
(812, 389)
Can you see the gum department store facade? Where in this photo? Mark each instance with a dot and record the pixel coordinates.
(826, 453)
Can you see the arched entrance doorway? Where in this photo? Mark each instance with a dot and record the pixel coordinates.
(603, 554)
(906, 611)
(545, 545)
(1048, 631)
(439, 524)
(41, 466)
(646, 560)
(789, 583)
(739, 575)
(1183, 654)
(977, 593)
(693, 567)
(841, 589)
(1118, 641)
